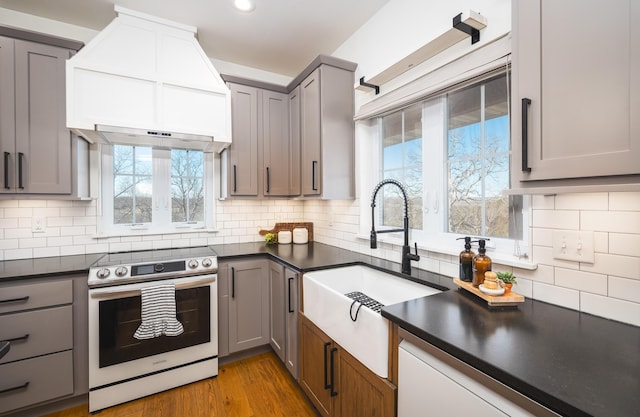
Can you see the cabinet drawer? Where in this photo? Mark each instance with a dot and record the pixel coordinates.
(28, 296)
(38, 332)
(48, 377)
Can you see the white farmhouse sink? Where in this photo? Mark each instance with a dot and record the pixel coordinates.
(327, 306)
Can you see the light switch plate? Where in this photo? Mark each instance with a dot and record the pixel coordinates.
(573, 245)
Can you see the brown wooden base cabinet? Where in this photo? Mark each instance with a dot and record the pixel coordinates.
(337, 383)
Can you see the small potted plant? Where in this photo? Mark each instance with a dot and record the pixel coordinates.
(508, 279)
(271, 238)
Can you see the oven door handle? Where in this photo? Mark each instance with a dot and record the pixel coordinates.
(133, 289)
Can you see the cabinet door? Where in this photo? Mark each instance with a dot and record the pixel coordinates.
(43, 142)
(248, 304)
(360, 392)
(315, 356)
(275, 140)
(291, 310)
(277, 327)
(584, 90)
(243, 152)
(7, 113)
(294, 141)
(310, 124)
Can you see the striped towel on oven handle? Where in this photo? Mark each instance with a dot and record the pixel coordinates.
(158, 312)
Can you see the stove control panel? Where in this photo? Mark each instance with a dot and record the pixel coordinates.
(117, 274)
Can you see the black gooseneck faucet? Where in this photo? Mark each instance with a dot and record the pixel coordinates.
(407, 256)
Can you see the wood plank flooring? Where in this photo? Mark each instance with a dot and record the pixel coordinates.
(253, 387)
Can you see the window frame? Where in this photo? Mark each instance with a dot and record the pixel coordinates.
(434, 236)
(161, 197)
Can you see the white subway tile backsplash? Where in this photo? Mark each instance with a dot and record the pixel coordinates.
(601, 242)
(33, 243)
(622, 266)
(543, 273)
(582, 201)
(611, 308)
(580, 280)
(627, 201)
(18, 253)
(624, 244)
(611, 221)
(557, 219)
(46, 252)
(625, 289)
(18, 212)
(544, 255)
(556, 295)
(542, 237)
(543, 202)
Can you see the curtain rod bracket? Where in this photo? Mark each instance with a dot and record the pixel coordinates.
(375, 87)
(469, 30)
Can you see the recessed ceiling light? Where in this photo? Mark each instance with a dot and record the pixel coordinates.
(244, 5)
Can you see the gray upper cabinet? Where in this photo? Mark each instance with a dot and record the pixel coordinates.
(242, 164)
(327, 133)
(294, 136)
(276, 144)
(575, 92)
(36, 145)
(258, 160)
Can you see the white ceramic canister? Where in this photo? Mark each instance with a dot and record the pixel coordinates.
(300, 235)
(284, 237)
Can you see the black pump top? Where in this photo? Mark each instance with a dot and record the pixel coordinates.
(481, 246)
(467, 242)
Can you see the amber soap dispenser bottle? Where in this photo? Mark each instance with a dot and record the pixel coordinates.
(481, 263)
(466, 260)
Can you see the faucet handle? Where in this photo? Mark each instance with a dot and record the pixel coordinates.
(414, 257)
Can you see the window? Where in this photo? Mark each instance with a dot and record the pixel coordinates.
(155, 190)
(452, 152)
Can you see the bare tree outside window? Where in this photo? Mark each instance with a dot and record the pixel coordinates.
(402, 160)
(187, 186)
(132, 185)
(478, 159)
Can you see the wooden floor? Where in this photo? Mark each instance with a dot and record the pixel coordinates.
(254, 387)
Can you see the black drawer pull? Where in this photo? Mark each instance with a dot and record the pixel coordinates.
(6, 170)
(15, 300)
(268, 180)
(525, 134)
(25, 385)
(17, 339)
(289, 283)
(313, 175)
(20, 159)
(333, 391)
(233, 282)
(235, 177)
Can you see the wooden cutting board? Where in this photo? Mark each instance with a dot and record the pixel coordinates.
(510, 299)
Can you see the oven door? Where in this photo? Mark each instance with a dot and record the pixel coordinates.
(114, 316)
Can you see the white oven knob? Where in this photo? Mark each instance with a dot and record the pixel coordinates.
(193, 264)
(206, 262)
(103, 273)
(121, 271)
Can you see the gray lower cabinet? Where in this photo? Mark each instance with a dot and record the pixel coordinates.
(36, 154)
(258, 160)
(45, 321)
(283, 318)
(243, 308)
(575, 99)
(327, 133)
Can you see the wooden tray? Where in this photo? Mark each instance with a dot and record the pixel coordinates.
(510, 299)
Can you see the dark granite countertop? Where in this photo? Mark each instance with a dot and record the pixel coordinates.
(573, 363)
(55, 265)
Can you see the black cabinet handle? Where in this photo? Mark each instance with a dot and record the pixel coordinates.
(25, 385)
(18, 339)
(234, 179)
(525, 134)
(333, 391)
(6, 170)
(268, 180)
(289, 283)
(233, 282)
(314, 164)
(326, 372)
(15, 300)
(20, 158)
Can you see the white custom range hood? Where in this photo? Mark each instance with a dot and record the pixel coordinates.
(146, 81)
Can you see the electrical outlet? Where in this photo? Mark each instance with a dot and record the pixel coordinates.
(573, 245)
(38, 225)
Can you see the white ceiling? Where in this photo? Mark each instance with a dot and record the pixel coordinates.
(280, 36)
